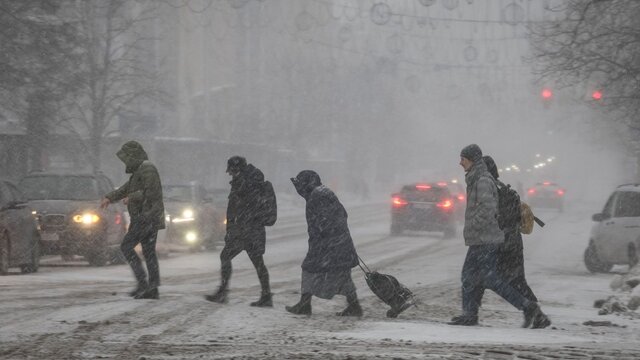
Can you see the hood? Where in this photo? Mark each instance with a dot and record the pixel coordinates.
(132, 155)
(305, 182)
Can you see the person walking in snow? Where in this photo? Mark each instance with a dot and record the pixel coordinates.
(143, 196)
(326, 269)
(483, 237)
(245, 229)
(510, 261)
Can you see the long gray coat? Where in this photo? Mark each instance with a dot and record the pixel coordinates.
(480, 219)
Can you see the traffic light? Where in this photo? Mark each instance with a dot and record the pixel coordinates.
(596, 95)
(546, 94)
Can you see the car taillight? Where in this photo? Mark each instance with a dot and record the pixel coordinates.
(442, 183)
(445, 204)
(423, 187)
(398, 202)
(118, 219)
(531, 191)
(460, 197)
(560, 192)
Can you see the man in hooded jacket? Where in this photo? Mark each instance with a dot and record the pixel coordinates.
(483, 236)
(245, 229)
(143, 196)
(326, 269)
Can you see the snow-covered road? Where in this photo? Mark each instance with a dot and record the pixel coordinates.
(78, 312)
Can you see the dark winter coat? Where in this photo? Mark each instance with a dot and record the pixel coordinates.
(481, 216)
(244, 198)
(143, 190)
(331, 248)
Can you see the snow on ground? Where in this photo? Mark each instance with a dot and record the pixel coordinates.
(83, 312)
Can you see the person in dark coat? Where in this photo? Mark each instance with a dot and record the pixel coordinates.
(510, 262)
(326, 269)
(143, 196)
(483, 237)
(245, 229)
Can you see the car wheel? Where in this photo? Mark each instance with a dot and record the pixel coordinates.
(593, 264)
(449, 233)
(633, 256)
(4, 254)
(97, 259)
(35, 258)
(395, 229)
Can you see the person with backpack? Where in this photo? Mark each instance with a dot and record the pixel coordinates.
(251, 207)
(510, 262)
(483, 236)
(326, 269)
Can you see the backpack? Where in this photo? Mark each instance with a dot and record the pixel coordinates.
(526, 225)
(268, 206)
(509, 214)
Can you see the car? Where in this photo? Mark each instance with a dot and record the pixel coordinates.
(19, 236)
(67, 206)
(423, 206)
(196, 219)
(459, 194)
(615, 237)
(546, 195)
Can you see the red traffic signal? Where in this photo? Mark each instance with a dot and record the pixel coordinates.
(546, 94)
(596, 95)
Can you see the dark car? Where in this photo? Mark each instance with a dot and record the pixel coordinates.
(71, 221)
(422, 206)
(195, 219)
(546, 195)
(19, 237)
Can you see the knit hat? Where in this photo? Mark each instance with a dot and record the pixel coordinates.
(471, 152)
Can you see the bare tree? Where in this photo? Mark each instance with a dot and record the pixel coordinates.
(595, 44)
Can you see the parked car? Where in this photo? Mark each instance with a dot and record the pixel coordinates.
(71, 221)
(19, 237)
(423, 206)
(615, 238)
(195, 220)
(546, 195)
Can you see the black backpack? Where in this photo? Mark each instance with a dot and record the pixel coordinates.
(268, 206)
(508, 206)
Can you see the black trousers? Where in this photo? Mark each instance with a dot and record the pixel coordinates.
(231, 249)
(510, 264)
(144, 234)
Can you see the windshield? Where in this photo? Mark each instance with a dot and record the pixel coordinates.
(177, 193)
(59, 188)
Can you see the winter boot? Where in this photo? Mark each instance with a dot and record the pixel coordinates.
(464, 320)
(264, 301)
(303, 307)
(395, 311)
(533, 314)
(139, 289)
(353, 309)
(541, 321)
(149, 293)
(219, 297)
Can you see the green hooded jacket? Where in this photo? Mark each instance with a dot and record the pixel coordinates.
(143, 189)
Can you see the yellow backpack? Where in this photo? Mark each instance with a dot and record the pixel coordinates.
(527, 219)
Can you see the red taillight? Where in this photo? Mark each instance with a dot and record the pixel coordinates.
(398, 201)
(460, 197)
(531, 191)
(442, 183)
(445, 204)
(546, 183)
(423, 187)
(560, 192)
(118, 219)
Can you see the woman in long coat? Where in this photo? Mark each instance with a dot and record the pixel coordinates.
(326, 269)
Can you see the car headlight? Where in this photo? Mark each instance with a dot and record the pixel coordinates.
(191, 237)
(86, 218)
(186, 216)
